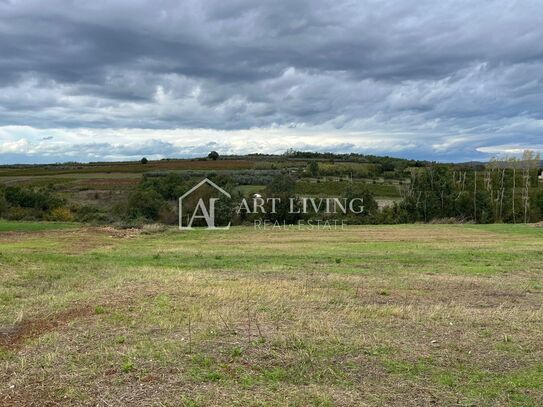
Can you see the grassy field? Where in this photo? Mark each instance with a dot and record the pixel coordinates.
(93, 191)
(378, 316)
(16, 226)
(338, 188)
(124, 167)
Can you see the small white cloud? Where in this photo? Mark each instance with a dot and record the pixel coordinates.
(510, 149)
(20, 146)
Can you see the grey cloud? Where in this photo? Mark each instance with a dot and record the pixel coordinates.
(436, 71)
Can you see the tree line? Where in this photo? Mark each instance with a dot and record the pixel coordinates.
(501, 191)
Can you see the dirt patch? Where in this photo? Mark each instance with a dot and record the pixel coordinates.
(119, 233)
(82, 231)
(13, 336)
(14, 235)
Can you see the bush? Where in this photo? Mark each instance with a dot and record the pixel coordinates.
(169, 186)
(3, 204)
(313, 168)
(538, 205)
(61, 215)
(29, 198)
(18, 213)
(282, 184)
(144, 204)
(90, 214)
(167, 216)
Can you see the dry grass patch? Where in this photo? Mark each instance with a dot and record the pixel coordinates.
(236, 318)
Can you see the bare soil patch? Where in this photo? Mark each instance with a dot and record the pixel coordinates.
(13, 336)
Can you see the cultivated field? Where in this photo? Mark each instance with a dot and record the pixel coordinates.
(369, 315)
(102, 186)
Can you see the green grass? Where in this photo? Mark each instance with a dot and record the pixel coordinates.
(338, 188)
(122, 167)
(250, 189)
(369, 315)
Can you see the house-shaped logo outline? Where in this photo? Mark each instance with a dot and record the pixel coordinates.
(190, 191)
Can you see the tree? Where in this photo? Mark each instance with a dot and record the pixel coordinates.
(213, 155)
(513, 162)
(282, 184)
(313, 168)
(144, 204)
(530, 164)
(3, 202)
(28, 198)
(144, 160)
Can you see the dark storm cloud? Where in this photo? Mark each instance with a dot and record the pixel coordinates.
(450, 77)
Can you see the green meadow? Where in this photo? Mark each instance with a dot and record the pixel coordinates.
(365, 315)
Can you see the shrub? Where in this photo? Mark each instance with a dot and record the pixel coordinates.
(18, 213)
(313, 168)
(144, 204)
(28, 198)
(61, 215)
(90, 214)
(169, 186)
(538, 205)
(3, 204)
(167, 216)
(282, 184)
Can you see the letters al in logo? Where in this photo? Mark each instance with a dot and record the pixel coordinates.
(202, 211)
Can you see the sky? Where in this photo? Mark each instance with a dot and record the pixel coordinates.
(118, 80)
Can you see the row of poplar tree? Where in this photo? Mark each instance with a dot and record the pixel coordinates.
(504, 190)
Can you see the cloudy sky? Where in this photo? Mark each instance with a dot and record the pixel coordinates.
(109, 80)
